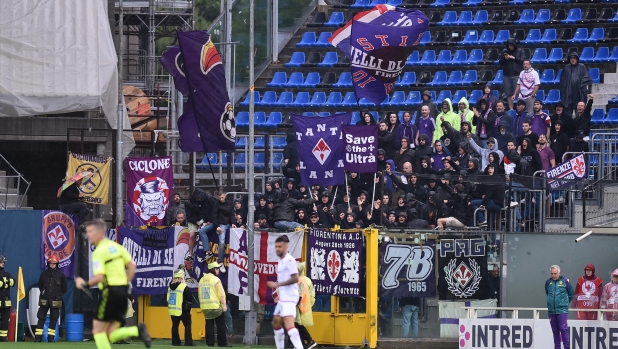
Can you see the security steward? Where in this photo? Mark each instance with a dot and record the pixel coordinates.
(179, 306)
(53, 285)
(6, 281)
(213, 305)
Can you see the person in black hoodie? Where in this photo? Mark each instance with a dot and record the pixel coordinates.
(575, 82)
(291, 187)
(284, 209)
(567, 120)
(183, 299)
(290, 152)
(451, 137)
(414, 222)
(434, 210)
(69, 202)
(512, 62)
(302, 216)
(325, 209)
(460, 208)
(315, 222)
(433, 108)
(201, 216)
(531, 155)
(404, 154)
(578, 144)
(493, 200)
(581, 121)
(559, 141)
(484, 120)
(260, 207)
(366, 119)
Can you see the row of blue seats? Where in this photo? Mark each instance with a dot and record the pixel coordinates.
(367, 4)
(259, 118)
(527, 17)
(311, 39)
(240, 161)
(277, 142)
(599, 117)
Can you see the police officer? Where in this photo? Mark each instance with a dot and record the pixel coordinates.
(53, 285)
(213, 305)
(179, 307)
(6, 281)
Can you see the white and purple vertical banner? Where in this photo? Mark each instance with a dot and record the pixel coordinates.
(150, 183)
(361, 148)
(334, 262)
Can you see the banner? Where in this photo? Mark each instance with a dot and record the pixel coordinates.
(320, 150)
(407, 270)
(335, 260)
(110, 234)
(463, 268)
(361, 148)
(96, 188)
(150, 185)
(265, 259)
(574, 169)
(172, 61)
(209, 98)
(59, 240)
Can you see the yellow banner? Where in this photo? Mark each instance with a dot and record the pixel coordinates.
(21, 290)
(95, 189)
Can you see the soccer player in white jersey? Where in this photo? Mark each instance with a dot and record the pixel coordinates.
(287, 290)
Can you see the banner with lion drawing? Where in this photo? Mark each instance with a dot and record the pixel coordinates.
(95, 188)
(462, 268)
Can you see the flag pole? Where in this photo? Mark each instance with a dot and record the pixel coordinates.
(346, 188)
(373, 196)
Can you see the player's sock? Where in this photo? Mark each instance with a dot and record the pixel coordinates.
(102, 341)
(122, 333)
(279, 338)
(295, 338)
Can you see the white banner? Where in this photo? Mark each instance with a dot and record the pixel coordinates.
(265, 261)
(535, 334)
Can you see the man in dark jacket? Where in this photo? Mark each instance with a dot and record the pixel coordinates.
(53, 285)
(406, 129)
(175, 206)
(386, 140)
(460, 209)
(224, 221)
(69, 202)
(290, 151)
(314, 221)
(6, 282)
(567, 120)
(578, 144)
(433, 108)
(484, 120)
(201, 216)
(493, 200)
(559, 141)
(284, 209)
(493, 284)
(583, 116)
(575, 82)
(512, 62)
(521, 115)
(414, 222)
(503, 118)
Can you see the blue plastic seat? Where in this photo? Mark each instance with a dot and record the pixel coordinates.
(487, 37)
(256, 99)
(285, 100)
(465, 18)
(297, 79)
(408, 79)
(459, 94)
(612, 117)
(474, 96)
(501, 36)
(259, 119)
(364, 102)
(469, 78)
(334, 100)
(336, 19)
(413, 99)
(274, 120)
(443, 95)
(476, 56)
(542, 16)
(355, 118)
(602, 55)
(277, 142)
(276, 160)
(480, 17)
(460, 57)
(307, 40)
(360, 4)
(413, 59)
(450, 17)
(330, 59)
(527, 17)
(398, 100)
(429, 58)
(318, 99)
(614, 56)
(279, 79)
(214, 160)
(534, 36)
(394, 2)
(258, 160)
(296, 60)
(345, 80)
(439, 79)
(553, 97)
(597, 117)
(242, 118)
(240, 161)
(555, 55)
(309, 113)
(455, 78)
(440, 3)
(595, 75)
(540, 95)
(323, 40)
(596, 35)
(558, 75)
(269, 98)
(587, 55)
(547, 77)
(375, 2)
(472, 3)
(425, 39)
(613, 101)
(615, 19)
(323, 114)
(581, 36)
(302, 99)
(241, 142)
(259, 142)
(498, 78)
(444, 58)
(575, 14)
(471, 38)
(549, 35)
(313, 78)
(349, 100)
(539, 55)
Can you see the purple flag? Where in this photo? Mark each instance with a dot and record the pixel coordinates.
(189, 133)
(150, 183)
(573, 169)
(378, 43)
(172, 61)
(335, 260)
(407, 270)
(59, 240)
(320, 149)
(361, 148)
(211, 104)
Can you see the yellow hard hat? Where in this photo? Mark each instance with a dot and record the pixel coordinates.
(179, 273)
(213, 265)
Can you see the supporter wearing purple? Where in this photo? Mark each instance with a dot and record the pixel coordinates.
(439, 152)
(407, 129)
(521, 115)
(503, 118)
(427, 124)
(540, 121)
(559, 296)
(547, 155)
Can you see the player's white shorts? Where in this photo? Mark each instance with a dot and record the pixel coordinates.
(285, 309)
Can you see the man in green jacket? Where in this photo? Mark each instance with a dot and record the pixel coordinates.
(559, 296)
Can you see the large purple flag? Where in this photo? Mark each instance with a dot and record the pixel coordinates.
(211, 103)
(361, 148)
(320, 148)
(378, 43)
(172, 61)
(150, 184)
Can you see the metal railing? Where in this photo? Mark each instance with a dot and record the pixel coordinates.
(13, 186)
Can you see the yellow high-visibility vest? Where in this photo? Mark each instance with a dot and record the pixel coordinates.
(208, 294)
(174, 300)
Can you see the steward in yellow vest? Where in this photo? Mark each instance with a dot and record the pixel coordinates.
(304, 315)
(179, 301)
(213, 305)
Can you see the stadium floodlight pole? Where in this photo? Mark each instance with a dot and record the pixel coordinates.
(119, 122)
(250, 325)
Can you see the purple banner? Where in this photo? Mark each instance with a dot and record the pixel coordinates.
(59, 240)
(172, 61)
(213, 111)
(408, 270)
(361, 148)
(335, 260)
(150, 184)
(574, 169)
(320, 149)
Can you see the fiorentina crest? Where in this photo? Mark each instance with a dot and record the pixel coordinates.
(463, 280)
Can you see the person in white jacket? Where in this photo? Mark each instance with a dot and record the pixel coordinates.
(492, 145)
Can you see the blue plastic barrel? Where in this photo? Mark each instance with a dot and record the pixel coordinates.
(75, 327)
(46, 326)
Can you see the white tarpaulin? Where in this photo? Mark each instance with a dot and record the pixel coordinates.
(451, 312)
(57, 56)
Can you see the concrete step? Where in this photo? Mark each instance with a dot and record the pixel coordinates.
(12, 200)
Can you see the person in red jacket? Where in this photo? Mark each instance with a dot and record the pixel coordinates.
(588, 293)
